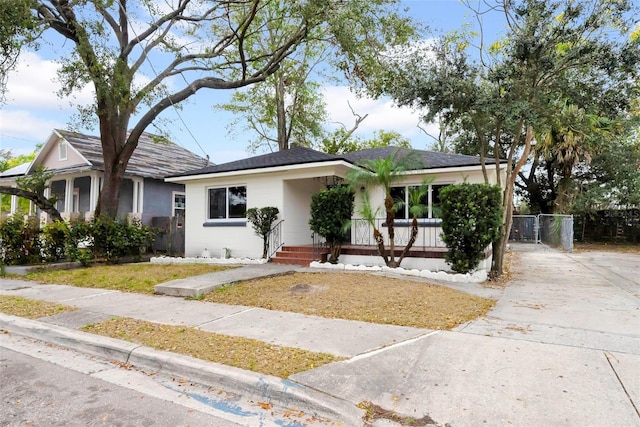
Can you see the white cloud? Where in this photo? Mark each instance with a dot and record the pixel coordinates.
(25, 125)
(33, 85)
(382, 113)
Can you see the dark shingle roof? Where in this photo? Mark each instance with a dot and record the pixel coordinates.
(293, 156)
(154, 157)
(427, 159)
(302, 155)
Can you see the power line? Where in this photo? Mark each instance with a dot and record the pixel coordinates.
(148, 60)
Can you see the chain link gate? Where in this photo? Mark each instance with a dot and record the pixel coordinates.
(547, 229)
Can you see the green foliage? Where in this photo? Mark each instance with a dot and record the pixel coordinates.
(25, 243)
(98, 49)
(19, 241)
(37, 181)
(578, 52)
(383, 173)
(288, 106)
(331, 211)
(471, 219)
(341, 141)
(54, 241)
(112, 239)
(18, 29)
(261, 220)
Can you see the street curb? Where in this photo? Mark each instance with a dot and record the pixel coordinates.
(251, 385)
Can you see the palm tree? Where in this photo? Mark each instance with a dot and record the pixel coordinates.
(571, 139)
(384, 173)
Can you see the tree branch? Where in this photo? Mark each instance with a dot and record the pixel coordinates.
(42, 202)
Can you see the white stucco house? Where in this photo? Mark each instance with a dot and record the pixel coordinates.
(76, 160)
(220, 195)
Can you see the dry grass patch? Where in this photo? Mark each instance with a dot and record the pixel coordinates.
(627, 248)
(358, 296)
(31, 309)
(240, 352)
(140, 278)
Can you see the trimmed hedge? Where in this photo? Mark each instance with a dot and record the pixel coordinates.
(24, 242)
(471, 220)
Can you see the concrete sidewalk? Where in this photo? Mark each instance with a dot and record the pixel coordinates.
(562, 347)
(335, 336)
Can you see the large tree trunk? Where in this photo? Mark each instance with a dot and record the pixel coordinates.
(500, 245)
(116, 152)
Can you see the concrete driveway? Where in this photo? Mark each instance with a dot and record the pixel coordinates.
(561, 348)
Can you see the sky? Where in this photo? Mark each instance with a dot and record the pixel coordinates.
(33, 109)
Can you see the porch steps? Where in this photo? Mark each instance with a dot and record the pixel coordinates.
(298, 255)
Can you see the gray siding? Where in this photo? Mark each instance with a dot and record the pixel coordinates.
(158, 199)
(125, 199)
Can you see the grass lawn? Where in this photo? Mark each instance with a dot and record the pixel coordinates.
(354, 296)
(140, 278)
(240, 352)
(358, 296)
(31, 309)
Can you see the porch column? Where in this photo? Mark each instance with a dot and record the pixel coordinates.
(138, 196)
(14, 204)
(94, 192)
(68, 195)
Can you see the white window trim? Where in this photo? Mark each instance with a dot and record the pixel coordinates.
(429, 198)
(227, 219)
(173, 202)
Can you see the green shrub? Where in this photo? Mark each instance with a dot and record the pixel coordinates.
(331, 211)
(20, 241)
(112, 239)
(54, 239)
(11, 250)
(79, 241)
(471, 219)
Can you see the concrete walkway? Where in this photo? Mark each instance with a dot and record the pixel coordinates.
(198, 285)
(562, 346)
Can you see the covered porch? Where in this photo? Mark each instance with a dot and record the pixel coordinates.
(77, 196)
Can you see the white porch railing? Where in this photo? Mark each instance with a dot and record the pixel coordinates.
(429, 232)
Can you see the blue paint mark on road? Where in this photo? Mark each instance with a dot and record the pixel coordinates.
(219, 404)
(282, 423)
(291, 384)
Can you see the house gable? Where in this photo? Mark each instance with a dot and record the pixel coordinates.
(58, 154)
(62, 155)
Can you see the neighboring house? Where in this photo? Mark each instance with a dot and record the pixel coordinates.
(77, 162)
(220, 195)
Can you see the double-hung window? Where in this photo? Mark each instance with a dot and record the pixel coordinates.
(227, 203)
(430, 200)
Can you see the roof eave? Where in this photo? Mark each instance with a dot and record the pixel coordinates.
(266, 169)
